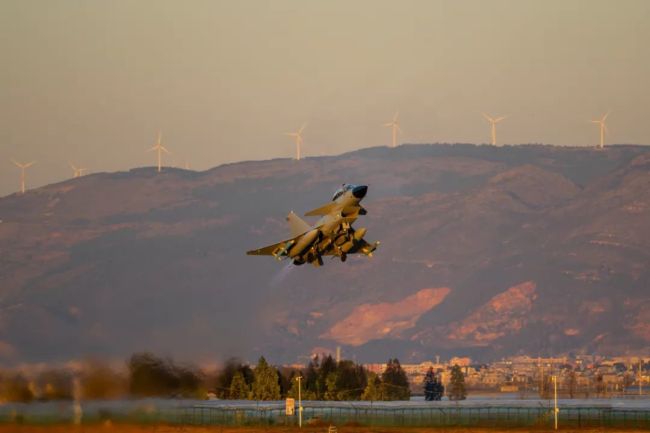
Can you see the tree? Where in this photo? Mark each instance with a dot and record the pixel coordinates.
(190, 381)
(265, 384)
(571, 383)
(457, 384)
(327, 366)
(311, 389)
(239, 390)
(16, 388)
(600, 385)
(351, 380)
(395, 384)
(56, 384)
(373, 390)
(150, 376)
(628, 381)
(433, 389)
(100, 382)
(224, 377)
(331, 392)
(285, 376)
(293, 387)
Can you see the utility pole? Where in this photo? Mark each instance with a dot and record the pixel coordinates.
(640, 376)
(556, 410)
(541, 379)
(299, 378)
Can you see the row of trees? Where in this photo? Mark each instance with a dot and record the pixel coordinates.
(96, 380)
(150, 376)
(391, 385)
(322, 379)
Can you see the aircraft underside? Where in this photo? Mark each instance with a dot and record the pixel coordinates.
(343, 243)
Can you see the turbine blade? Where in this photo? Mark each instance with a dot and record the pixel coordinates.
(605, 116)
(396, 116)
(29, 164)
(304, 125)
(16, 163)
(164, 149)
(388, 124)
(488, 118)
(499, 119)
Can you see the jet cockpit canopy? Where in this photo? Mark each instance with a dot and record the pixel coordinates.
(344, 188)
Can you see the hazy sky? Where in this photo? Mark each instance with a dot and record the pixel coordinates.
(93, 81)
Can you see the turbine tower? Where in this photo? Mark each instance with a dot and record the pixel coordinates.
(603, 129)
(77, 172)
(160, 149)
(298, 137)
(394, 125)
(22, 168)
(493, 121)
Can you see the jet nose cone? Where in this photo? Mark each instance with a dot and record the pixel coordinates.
(360, 191)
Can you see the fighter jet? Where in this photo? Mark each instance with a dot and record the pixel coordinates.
(332, 235)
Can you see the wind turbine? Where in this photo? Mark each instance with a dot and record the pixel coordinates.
(493, 121)
(160, 149)
(603, 129)
(394, 124)
(298, 136)
(78, 172)
(22, 168)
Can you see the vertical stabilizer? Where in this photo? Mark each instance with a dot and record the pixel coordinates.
(297, 226)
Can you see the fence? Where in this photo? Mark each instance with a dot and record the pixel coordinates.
(449, 416)
(385, 414)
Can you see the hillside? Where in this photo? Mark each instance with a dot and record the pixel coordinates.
(484, 251)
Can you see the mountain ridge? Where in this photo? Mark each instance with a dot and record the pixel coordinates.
(111, 263)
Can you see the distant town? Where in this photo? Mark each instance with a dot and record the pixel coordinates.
(528, 377)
